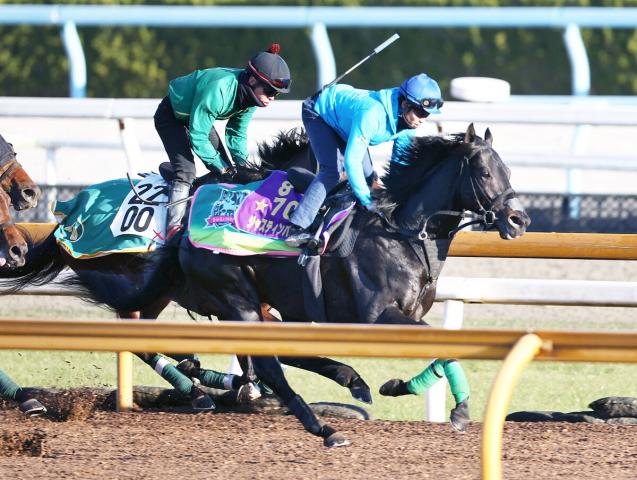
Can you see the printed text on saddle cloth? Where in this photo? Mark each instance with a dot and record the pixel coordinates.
(264, 211)
(134, 217)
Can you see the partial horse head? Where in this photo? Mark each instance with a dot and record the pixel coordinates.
(488, 189)
(436, 178)
(13, 246)
(15, 181)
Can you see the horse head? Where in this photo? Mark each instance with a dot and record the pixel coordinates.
(15, 181)
(486, 189)
(437, 178)
(13, 246)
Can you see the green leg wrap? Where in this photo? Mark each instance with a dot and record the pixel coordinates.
(425, 379)
(457, 380)
(185, 356)
(168, 372)
(8, 388)
(214, 379)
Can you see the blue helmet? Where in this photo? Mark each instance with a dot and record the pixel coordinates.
(422, 90)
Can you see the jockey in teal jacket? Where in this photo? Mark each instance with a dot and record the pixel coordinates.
(363, 118)
(348, 120)
(185, 119)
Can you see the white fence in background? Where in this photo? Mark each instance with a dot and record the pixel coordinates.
(456, 291)
(573, 116)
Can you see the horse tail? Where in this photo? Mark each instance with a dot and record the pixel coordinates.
(44, 261)
(156, 275)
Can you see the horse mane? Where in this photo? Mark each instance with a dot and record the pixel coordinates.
(413, 164)
(286, 144)
(273, 155)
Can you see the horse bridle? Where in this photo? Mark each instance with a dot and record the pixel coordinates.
(7, 168)
(486, 215)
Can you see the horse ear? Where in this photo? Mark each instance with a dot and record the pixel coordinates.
(488, 138)
(470, 135)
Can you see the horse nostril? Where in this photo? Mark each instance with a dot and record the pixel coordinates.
(16, 252)
(29, 194)
(516, 221)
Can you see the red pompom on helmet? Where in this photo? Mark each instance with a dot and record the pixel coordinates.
(270, 68)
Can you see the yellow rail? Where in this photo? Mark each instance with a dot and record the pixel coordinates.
(489, 244)
(519, 348)
(518, 358)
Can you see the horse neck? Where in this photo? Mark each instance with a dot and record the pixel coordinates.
(437, 193)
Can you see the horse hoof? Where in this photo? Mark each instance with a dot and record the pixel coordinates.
(248, 393)
(336, 440)
(203, 403)
(32, 408)
(459, 417)
(362, 395)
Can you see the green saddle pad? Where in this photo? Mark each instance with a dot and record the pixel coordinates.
(252, 219)
(108, 218)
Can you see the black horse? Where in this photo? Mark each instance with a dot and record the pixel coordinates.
(389, 276)
(125, 271)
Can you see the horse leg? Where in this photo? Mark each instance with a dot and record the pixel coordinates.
(269, 370)
(200, 401)
(339, 372)
(450, 368)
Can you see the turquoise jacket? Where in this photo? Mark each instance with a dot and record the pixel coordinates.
(362, 118)
(204, 96)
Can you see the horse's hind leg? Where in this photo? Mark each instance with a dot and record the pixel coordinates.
(339, 372)
(450, 368)
(200, 401)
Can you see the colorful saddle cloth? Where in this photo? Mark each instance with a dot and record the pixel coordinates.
(252, 219)
(109, 218)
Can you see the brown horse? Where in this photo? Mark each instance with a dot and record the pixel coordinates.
(15, 181)
(13, 245)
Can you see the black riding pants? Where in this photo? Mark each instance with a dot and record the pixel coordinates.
(174, 136)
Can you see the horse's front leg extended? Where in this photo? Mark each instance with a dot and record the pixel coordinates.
(339, 372)
(436, 370)
(269, 371)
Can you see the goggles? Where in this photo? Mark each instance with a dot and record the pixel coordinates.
(268, 90)
(430, 102)
(273, 83)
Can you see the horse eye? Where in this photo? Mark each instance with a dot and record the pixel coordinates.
(485, 172)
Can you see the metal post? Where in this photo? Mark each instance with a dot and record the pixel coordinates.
(124, 381)
(323, 54)
(77, 61)
(435, 397)
(580, 86)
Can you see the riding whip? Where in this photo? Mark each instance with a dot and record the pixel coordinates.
(378, 49)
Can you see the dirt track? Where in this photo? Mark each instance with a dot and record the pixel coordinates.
(106, 445)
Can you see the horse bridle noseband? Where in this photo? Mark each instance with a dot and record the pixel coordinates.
(7, 168)
(486, 215)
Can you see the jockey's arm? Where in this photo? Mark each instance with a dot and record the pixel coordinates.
(237, 135)
(357, 145)
(202, 118)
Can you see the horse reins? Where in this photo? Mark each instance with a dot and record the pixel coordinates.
(486, 216)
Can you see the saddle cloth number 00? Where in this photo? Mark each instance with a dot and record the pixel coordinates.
(134, 217)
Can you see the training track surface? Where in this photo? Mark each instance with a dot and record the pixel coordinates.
(97, 444)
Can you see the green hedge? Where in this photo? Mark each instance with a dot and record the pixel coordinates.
(139, 62)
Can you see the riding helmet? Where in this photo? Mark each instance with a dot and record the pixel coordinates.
(423, 91)
(270, 68)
